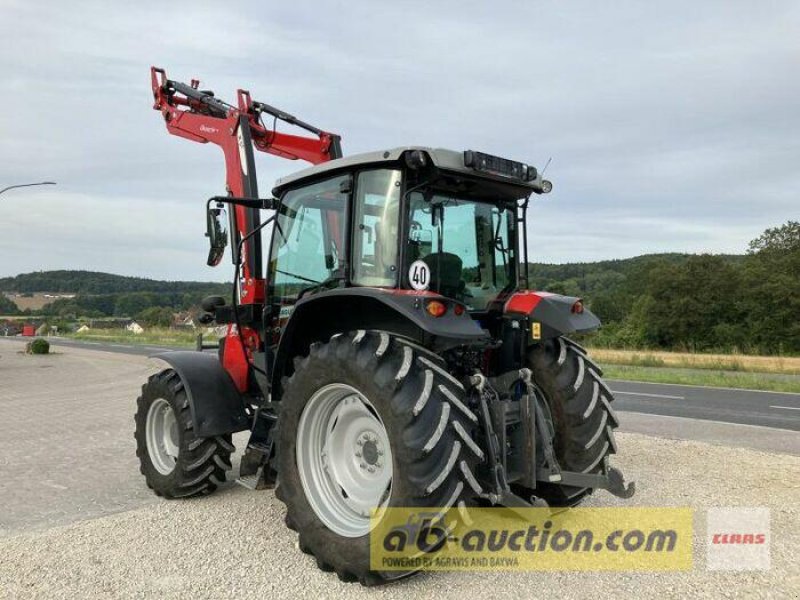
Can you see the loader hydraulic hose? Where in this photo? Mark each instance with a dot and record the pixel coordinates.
(236, 290)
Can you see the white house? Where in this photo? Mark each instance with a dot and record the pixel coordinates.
(134, 327)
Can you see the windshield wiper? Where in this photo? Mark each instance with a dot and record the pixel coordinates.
(296, 276)
(321, 284)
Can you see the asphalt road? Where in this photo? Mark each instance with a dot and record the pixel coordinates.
(745, 407)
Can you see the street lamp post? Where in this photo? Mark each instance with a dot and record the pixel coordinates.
(19, 185)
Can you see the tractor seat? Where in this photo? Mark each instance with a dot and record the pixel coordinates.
(446, 273)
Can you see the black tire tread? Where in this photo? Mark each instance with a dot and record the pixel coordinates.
(580, 404)
(202, 462)
(431, 476)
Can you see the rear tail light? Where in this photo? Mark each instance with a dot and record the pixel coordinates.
(458, 309)
(436, 308)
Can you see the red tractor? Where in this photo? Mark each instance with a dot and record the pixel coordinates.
(382, 349)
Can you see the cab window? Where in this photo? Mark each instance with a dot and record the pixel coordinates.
(307, 240)
(375, 228)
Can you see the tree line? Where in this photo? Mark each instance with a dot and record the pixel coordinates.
(92, 282)
(100, 295)
(131, 305)
(154, 304)
(702, 302)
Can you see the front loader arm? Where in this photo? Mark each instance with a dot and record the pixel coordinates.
(199, 116)
(326, 147)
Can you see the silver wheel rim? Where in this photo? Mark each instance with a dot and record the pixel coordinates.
(161, 433)
(343, 458)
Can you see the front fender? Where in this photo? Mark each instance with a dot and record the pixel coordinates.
(553, 311)
(215, 403)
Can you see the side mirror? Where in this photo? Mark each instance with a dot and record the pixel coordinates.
(217, 234)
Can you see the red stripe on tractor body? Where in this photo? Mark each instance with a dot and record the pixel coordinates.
(524, 302)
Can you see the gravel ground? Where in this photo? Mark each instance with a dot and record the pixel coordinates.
(78, 522)
(234, 544)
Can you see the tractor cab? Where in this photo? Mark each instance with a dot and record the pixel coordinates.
(409, 219)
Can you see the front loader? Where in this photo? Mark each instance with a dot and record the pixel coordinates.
(381, 346)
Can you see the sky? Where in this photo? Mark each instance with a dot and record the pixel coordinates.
(672, 126)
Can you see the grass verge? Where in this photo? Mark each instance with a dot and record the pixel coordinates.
(152, 336)
(786, 365)
(703, 377)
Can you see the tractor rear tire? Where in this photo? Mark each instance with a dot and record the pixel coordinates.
(411, 415)
(580, 406)
(174, 461)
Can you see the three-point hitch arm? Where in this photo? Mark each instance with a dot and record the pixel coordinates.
(198, 115)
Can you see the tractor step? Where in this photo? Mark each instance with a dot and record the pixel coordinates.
(255, 471)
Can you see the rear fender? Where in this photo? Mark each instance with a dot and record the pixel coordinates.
(216, 405)
(402, 313)
(555, 314)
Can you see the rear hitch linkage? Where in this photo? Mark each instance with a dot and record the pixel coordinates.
(545, 467)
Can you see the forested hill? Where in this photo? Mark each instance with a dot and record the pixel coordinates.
(583, 277)
(693, 301)
(572, 278)
(91, 282)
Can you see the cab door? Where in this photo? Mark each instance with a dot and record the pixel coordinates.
(307, 247)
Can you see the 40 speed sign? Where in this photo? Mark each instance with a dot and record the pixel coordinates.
(419, 275)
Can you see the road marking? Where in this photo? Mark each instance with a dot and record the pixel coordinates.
(650, 395)
(787, 407)
(701, 387)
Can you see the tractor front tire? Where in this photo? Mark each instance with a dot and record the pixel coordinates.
(580, 406)
(174, 461)
(369, 420)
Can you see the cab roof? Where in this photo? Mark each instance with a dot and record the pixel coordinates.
(445, 160)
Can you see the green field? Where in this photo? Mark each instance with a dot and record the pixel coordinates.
(785, 365)
(767, 373)
(152, 336)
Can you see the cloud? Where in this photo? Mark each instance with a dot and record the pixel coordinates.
(672, 127)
